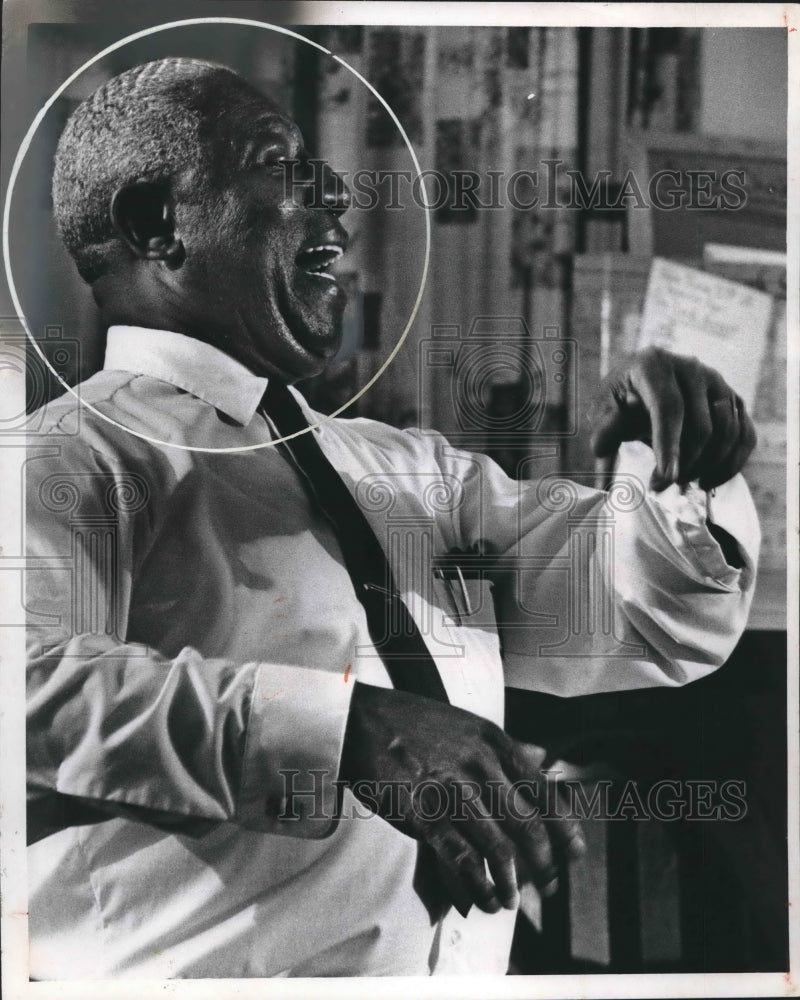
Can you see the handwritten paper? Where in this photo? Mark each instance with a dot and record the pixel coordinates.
(723, 323)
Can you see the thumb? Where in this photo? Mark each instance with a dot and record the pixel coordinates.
(617, 416)
(609, 426)
(528, 758)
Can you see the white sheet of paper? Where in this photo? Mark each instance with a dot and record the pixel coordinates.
(723, 323)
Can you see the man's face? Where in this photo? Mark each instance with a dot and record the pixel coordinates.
(259, 240)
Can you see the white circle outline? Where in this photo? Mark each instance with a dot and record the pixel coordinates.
(28, 139)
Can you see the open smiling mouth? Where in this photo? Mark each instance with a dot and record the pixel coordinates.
(319, 259)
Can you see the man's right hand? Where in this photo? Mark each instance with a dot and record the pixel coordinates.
(475, 793)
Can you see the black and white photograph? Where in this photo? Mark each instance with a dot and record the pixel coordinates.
(399, 449)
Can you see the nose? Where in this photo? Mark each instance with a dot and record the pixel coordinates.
(325, 189)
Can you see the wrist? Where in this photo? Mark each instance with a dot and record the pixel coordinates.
(360, 704)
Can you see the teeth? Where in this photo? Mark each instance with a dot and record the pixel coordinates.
(316, 260)
(330, 247)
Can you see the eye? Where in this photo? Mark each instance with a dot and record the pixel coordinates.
(276, 164)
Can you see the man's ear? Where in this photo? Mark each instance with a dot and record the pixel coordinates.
(143, 216)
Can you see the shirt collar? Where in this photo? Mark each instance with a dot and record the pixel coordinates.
(189, 364)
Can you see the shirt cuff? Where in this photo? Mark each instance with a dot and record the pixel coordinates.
(294, 743)
(683, 513)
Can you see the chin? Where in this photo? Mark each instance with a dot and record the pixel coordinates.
(312, 329)
(312, 352)
(319, 360)
(319, 336)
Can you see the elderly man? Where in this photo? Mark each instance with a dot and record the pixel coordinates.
(228, 739)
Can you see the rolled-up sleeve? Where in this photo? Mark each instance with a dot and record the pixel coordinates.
(288, 779)
(603, 591)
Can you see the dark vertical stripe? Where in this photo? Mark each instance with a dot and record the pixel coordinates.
(623, 892)
(306, 88)
(584, 111)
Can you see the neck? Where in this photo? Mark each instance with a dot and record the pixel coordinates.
(132, 300)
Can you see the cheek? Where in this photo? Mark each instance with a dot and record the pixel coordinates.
(252, 243)
(265, 239)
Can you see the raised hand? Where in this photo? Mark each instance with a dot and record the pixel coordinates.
(698, 427)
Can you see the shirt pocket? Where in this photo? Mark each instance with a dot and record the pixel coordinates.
(472, 623)
(466, 599)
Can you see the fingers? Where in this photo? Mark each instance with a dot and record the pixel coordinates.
(525, 764)
(483, 832)
(522, 807)
(463, 870)
(718, 434)
(515, 825)
(508, 822)
(737, 439)
(697, 433)
(466, 840)
(698, 427)
(653, 379)
(535, 847)
(533, 817)
(612, 423)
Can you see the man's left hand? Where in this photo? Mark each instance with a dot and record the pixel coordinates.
(696, 424)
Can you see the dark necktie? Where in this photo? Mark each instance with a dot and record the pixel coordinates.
(393, 631)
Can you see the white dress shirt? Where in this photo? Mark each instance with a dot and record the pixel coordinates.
(194, 639)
